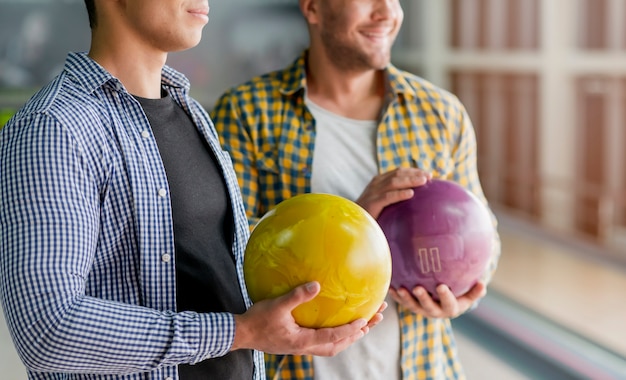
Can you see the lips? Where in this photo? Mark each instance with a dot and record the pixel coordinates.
(200, 11)
(203, 12)
(377, 33)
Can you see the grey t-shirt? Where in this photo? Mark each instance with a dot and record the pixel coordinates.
(206, 275)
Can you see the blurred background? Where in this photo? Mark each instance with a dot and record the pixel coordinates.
(544, 82)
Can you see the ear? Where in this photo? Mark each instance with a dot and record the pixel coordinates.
(310, 11)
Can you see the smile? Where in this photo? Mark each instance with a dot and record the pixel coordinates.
(202, 13)
(377, 34)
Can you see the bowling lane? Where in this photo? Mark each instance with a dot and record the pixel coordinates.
(480, 362)
(571, 284)
(532, 345)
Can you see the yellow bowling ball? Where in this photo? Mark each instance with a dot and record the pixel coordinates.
(324, 238)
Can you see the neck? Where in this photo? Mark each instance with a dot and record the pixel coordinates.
(357, 94)
(137, 67)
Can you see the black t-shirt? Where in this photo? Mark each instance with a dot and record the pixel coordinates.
(206, 274)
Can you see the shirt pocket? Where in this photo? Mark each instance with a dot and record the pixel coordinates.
(438, 161)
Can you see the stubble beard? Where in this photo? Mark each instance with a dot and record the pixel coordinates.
(350, 58)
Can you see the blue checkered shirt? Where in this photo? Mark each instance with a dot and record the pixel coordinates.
(87, 263)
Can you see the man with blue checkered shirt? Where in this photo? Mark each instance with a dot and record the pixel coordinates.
(341, 119)
(122, 228)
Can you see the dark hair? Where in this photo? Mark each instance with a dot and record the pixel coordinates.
(91, 11)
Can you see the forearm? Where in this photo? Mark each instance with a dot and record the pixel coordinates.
(57, 327)
(90, 335)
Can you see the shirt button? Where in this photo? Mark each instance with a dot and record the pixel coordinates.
(145, 134)
(166, 258)
(169, 378)
(162, 193)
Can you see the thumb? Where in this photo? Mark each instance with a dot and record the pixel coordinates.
(300, 295)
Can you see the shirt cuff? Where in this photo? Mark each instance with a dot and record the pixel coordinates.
(216, 335)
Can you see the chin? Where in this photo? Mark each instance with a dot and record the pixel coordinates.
(380, 64)
(377, 61)
(186, 45)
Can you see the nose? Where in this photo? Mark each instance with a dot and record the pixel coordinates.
(387, 10)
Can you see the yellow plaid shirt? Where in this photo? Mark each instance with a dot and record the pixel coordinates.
(270, 134)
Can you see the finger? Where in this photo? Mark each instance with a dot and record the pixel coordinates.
(375, 201)
(300, 295)
(383, 307)
(335, 335)
(447, 301)
(410, 172)
(429, 305)
(477, 292)
(394, 295)
(376, 319)
(406, 299)
(394, 196)
(409, 180)
(391, 187)
(400, 178)
(332, 349)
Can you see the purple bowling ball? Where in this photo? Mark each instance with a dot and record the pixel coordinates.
(442, 235)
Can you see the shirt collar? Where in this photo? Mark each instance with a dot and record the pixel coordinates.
(294, 79)
(398, 82)
(91, 76)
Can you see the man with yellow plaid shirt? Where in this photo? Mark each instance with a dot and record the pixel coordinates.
(341, 119)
